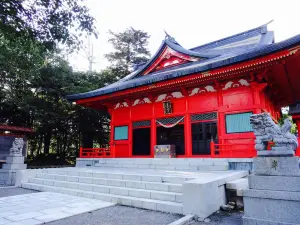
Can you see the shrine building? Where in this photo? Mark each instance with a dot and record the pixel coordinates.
(199, 99)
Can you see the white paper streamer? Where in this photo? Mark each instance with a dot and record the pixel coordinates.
(170, 125)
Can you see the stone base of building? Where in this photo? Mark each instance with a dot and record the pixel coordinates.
(9, 169)
(245, 164)
(273, 197)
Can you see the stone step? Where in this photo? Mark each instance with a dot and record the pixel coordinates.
(118, 175)
(221, 167)
(164, 206)
(238, 184)
(167, 187)
(139, 193)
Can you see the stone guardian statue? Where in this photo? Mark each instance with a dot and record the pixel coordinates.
(17, 147)
(266, 130)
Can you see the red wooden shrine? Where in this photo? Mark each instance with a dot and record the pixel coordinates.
(210, 90)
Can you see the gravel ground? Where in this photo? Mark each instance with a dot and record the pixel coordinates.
(119, 215)
(222, 218)
(9, 191)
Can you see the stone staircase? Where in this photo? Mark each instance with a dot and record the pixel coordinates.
(155, 192)
(180, 164)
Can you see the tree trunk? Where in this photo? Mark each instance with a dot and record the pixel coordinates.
(58, 144)
(87, 140)
(40, 145)
(47, 141)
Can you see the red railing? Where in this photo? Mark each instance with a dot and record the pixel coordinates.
(239, 150)
(94, 152)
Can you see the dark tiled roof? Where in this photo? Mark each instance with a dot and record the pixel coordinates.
(240, 47)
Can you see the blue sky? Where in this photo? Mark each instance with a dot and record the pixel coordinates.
(191, 22)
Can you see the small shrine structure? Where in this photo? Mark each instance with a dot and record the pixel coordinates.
(199, 99)
(8, 134)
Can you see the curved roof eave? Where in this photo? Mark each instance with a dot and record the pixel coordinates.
(291, 42)
(258, 30)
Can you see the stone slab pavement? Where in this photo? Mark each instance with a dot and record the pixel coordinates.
(10, 191)
(43, 207)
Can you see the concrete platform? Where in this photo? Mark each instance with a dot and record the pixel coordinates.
(170, 191)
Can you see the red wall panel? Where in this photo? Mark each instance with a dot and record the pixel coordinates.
(238, 98)
(141, 112)
(179, 106)
(202, 103)
(121, 150)
(121, 115)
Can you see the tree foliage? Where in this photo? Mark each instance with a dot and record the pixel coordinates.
(130, 47)
(48, 21)
(35, 78)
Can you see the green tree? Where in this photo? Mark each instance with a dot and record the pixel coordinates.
(281, 121)
(48, 21)
(34, 80)
(29, 33)
(130, 48)
(60, 126)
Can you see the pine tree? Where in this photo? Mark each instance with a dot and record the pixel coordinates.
(130, 49)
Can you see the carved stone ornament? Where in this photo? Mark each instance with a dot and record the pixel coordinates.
(17, 147)
(266, 130)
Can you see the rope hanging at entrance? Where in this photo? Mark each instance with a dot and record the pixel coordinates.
(170, 125)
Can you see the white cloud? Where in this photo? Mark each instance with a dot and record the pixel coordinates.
(191, 22)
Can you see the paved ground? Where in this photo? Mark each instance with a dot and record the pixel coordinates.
(115, 215)
(222, 218)
(10, 191)
(119, 215)
(41, 207)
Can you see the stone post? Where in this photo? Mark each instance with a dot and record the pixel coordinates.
(273, 197)
(14, 162)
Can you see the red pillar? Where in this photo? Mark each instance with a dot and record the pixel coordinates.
(130, 134)
(153, 129)
(187, 135)
(187, 131)
(153, 136)
(112, 143)
(221, 115)
(80, 152)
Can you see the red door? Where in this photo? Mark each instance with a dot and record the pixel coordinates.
(121, 141)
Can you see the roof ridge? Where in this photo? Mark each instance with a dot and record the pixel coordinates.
(262, 28)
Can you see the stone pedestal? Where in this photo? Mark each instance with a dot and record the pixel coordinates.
(274, 194)
(9, 169)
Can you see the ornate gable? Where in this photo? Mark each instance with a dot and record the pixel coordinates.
(170, 54)
(169, 58)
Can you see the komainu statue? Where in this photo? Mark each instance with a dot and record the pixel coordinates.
(266, 130)
(17, 147)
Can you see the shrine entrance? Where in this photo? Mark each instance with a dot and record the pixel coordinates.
(171, 136)
(141, 138)
(202, 134)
